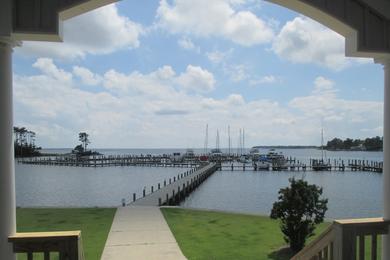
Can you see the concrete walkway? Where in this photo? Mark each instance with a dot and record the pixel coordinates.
(140, 232)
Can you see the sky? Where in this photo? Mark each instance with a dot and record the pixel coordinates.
(153, 74)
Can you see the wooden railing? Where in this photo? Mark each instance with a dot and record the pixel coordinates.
(67, 244)
(345, 239)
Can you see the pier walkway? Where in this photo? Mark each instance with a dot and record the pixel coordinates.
(174, 192)
(140, 232)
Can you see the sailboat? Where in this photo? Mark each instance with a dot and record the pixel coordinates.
(205, 157)
(216, 152)
(321, 165)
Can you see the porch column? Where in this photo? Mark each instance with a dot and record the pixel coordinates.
(386, 157)
(7, 170)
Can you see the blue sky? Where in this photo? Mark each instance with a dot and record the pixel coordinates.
(153, 74)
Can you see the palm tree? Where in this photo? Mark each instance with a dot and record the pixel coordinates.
(83, 137)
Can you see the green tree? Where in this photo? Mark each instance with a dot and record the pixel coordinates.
(335, 144)
(374, 143)
(348, 143)
(83, 138)
(24, 142)
(300, 208)
(79, 149)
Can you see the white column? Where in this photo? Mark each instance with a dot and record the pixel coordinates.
(386, 157)
(7, 170)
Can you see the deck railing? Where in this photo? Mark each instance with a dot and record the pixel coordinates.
(67, 244)
(346, 239)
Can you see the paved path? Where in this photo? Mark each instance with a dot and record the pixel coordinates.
(140, 232)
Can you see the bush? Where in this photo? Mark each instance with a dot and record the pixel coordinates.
(300, 208)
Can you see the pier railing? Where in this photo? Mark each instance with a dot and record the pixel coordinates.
(66, 244)
(346, 239)
(175, 191)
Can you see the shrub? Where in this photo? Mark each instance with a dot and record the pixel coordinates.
(300, 208)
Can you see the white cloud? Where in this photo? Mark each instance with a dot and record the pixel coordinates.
(136, 83)
(324, 86)
(303, 40)
(236, 72)
(269, 79)
(160, 83)
(86, 76)
(324, 104)
(47, 66)
(196, 79)
(217, 57)
(150, 110)
(165, 72)
(186, 44)
(101, 31)
(205, 18)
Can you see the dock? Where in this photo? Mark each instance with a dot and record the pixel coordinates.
(227, 162)
(109, 161)
(175, 191)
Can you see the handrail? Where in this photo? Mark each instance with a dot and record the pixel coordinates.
(339, 241)
(67, 243)
(323, 242)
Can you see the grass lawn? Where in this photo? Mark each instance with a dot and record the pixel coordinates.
(94, 223)
(216, 235)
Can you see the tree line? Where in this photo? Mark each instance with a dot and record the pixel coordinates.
(24, 142)
(368, 144)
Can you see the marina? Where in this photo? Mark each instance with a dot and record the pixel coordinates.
(238, 190)
(246, 162)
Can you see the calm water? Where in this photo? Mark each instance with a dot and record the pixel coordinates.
(350, 194)
(52, 186)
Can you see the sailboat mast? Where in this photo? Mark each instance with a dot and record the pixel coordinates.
(243, 140)
(322, 144)
(229, 138)
(206, 139)
(217, 141)
(240, 143)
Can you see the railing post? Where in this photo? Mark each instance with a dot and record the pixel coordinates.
(336, 250)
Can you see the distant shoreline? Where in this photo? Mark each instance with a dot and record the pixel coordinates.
(287, 147)
(257, 146)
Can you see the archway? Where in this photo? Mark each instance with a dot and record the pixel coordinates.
(364, 23)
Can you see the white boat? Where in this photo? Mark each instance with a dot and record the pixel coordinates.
(254, 150)
(216, 153)
(189, 153)
(262, 165)
(254, 154)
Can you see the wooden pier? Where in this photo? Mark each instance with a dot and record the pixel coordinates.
(227, 163)
(175, 190)
(352, 165)
(109, 161)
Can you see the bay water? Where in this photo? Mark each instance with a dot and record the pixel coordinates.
(350, 194)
